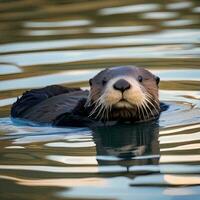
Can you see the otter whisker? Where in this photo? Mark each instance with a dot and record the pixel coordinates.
(95, 102)
(103, 112)
(107, 113)
(88, 102)
(139, 113)
(94, 110)
(138, 109)
(151, 97)
(98, 104)
(90, 97)
(142, 116)
(156, 109)
(147, 106)
(147, 114)
(101, 108)
(99, 112)
(142, 112)
(108, 110)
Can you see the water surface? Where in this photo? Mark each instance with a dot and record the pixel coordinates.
(67, 42)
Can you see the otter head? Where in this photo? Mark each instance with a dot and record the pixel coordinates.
(124, 94)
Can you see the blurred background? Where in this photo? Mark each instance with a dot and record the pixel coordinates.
(45, 42)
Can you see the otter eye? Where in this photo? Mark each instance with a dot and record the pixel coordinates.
(157, 80)
(140, 78)
(104, 82)
(90, 82)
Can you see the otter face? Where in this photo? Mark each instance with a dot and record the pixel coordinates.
(124, 93)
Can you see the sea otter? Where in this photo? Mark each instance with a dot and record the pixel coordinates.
(118, 94)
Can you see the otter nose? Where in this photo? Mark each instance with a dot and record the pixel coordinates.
(122, 85)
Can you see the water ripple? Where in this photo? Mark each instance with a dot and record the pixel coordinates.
(68, 42)
(129, 9)
(70, 145)
(48, 24)
(179, 5)
(159, 15)
(183, 36)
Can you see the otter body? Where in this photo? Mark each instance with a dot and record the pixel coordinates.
(118, 94)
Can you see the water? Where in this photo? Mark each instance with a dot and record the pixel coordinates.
(67, 42)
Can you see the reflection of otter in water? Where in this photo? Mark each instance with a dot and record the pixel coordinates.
(116, 94)
(130, 144)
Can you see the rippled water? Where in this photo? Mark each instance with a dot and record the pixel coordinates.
(47, 42)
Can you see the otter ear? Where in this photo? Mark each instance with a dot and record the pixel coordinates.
(90, 82)
(157, 79)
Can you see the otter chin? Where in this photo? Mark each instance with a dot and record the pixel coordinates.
(125, 93)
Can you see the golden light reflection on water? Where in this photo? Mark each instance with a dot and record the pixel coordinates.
(167, 180)
(182, 180)
(61, 182)
(55, 169)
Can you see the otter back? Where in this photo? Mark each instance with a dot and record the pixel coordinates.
(46, 104)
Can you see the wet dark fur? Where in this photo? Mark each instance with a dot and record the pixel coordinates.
(61, 106)
(77, 116)
(35, 96)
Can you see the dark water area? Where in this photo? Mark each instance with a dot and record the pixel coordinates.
(45, 42)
